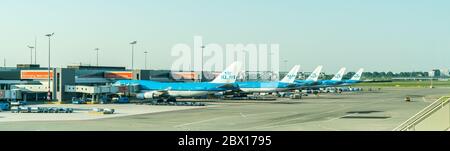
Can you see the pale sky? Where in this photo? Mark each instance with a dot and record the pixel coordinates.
(383, 35)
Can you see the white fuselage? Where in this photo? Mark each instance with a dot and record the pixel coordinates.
(189, 93)
(263, 90)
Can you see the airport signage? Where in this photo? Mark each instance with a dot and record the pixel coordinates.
(35, 74)
(119, 75)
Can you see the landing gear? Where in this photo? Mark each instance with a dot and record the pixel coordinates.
(160, 100)
(166, 100)
(171, 99)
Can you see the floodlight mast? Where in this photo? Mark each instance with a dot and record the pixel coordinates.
(31, 53)
(132, 53)
(49, 91)
(97, 49)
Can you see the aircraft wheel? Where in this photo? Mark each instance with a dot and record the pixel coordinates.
(171, 99)
(160, 100)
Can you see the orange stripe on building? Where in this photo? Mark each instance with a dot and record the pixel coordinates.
(35, 74)
(184, 75)
(118, 75)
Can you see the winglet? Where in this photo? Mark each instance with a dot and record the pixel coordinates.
(358, 75)
(290, 77)
(229, 75)
(339, 75)
(315, 75)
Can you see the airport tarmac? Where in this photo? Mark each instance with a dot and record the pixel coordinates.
(351, 111)
(82, 112)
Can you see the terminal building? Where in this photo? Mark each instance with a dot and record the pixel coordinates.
(29, 82)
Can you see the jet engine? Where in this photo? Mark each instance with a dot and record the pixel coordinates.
(149, 95)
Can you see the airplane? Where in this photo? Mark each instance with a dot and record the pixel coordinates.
(336, 80)
(355, 79)
(311, 80)
(171, 90)
(269, 87)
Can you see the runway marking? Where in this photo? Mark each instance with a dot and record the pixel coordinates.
(392, 99)
(295, 119)
(217, 118)
(265, 126)
(197, 122)
(258, 114)
(243, 115)
(329, 128)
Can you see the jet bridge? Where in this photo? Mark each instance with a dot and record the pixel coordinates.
(92, 89)
(95, 91)
(32, 92)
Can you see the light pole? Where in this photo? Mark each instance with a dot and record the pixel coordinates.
(97, 49)
(145, 54)
(201, 78)
(132, 54)
(35, 49)
(48, 93)
(271, 65)
(31, 53)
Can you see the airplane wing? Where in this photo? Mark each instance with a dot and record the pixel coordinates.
(292, 85)
(165, 91)
(227, 86)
